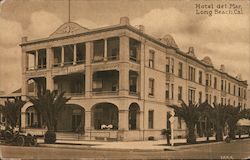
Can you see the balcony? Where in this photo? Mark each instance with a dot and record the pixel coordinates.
(134, 50)
(105, 83)
(169, 77)
(69, 68)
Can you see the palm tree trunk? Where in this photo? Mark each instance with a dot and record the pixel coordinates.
(219, 134)
(191, 138)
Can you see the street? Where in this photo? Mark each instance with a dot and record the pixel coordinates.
(239, 149)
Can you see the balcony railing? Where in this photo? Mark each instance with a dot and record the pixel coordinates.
(134, 93)
(68, 94)
(104, 93)
(134, 59)
(36, 67)
(109, 58)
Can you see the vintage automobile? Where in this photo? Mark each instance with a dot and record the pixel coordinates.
(14, 137)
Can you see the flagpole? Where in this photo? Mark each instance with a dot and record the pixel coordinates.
(69, 10)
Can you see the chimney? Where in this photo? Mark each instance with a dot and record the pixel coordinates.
(191, 50)
(24, 39)
(124, 20)
(142, 28)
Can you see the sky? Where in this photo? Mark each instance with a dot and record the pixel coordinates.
(225, 38)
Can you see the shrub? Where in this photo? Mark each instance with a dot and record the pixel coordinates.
(50, 137)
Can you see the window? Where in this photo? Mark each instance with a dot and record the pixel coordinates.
(172, 65)
(151, 119)
(229, 87)
(179, 123)
(151, 87)
(222, 84)
(151, 58)
(225, 86)
(200, 77)
(239, 92)
(245, 94)
(215, 83)
(215, 99)
(210, 80)
(179, 93)
(167, 91)
(191, 73)
(180, 70)
(200, 97)
(207, 97)
(210, 98)
(172, 91)
(228, 102)
(191, 95)
(207, 80)
(234, 90)
(168, 65)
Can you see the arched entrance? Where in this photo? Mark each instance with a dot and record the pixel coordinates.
(72, 119)
(134, 116)
(104, 114)
(33, 118)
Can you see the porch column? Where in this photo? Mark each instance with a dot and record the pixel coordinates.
(105, 50)
(49, 57)
(124, 67)
(87, 120)
(62, 57)
(88, 70)
(23, 120)
(49, 82)
(36, 59)
(74, 61)
(24, 88)
(141, 120)
(141, 75)
(123, 120)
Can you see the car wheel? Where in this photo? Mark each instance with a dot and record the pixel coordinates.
(33, 142)
(20, 141)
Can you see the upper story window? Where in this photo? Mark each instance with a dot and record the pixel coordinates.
(239, 92)
(172, 91)
(229, 87)
(180, 69)
(113, 48)
(167, 91)
(98, 54)
(225, 86)
(234, 90)
(191, 95)
(180, 93)
(215, 83)
(191, 73)
(172, 65)
(207, 79)
(245, 94)
(168, 65)
(200, 77)
(210, 80)
(151, 87)
(134, 50)
(200, 97)
(151, 58)
(222, 85)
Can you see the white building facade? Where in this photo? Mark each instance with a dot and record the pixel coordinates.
(120, 76)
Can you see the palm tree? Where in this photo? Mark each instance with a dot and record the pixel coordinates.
(205, 110)
(12, 111)
(234, 115)
(218, 116)
(190, 114)
(50, 105)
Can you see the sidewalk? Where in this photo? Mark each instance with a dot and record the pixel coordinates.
(158, 145)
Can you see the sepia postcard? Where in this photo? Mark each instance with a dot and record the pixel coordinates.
(124, 79)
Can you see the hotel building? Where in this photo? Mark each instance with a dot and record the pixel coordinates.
(120, 76)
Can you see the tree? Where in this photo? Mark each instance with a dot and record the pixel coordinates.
(218, 116)
(234, 114)
(190, 114)
(12, 111)
(50, 105)
(205, 110)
